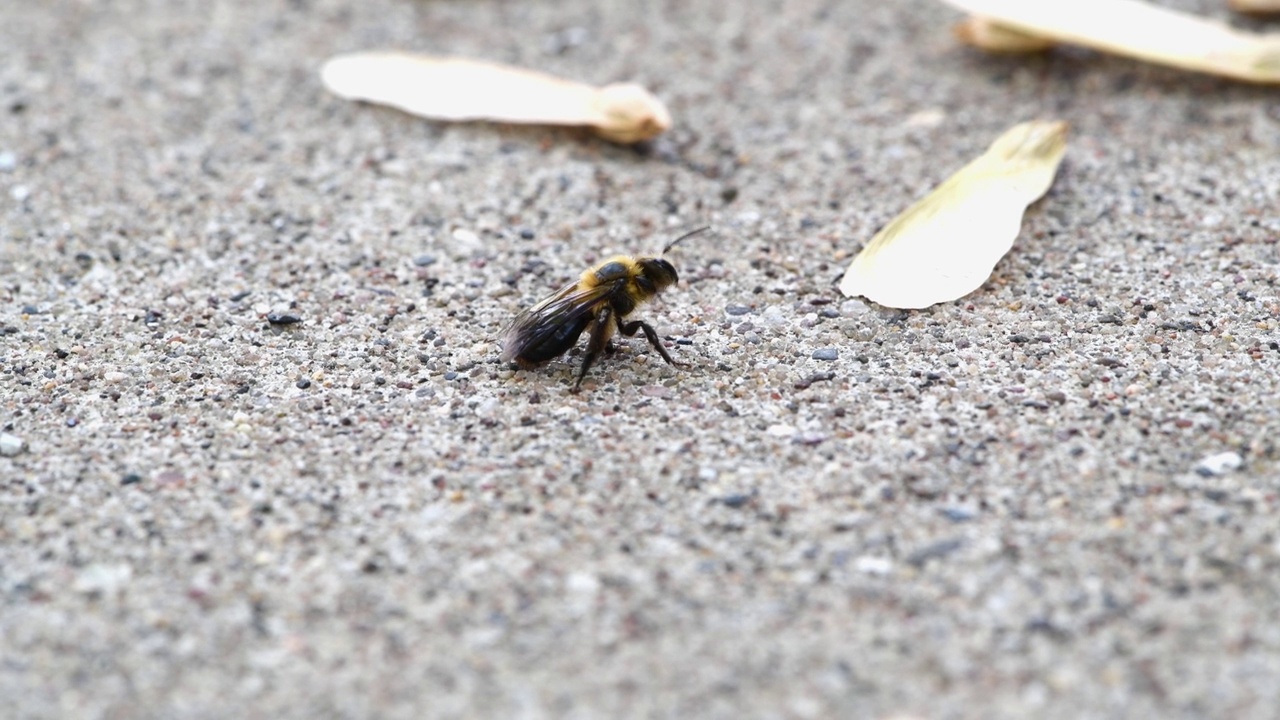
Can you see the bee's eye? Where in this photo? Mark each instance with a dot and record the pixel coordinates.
(662, 273)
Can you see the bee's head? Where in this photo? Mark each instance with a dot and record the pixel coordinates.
(660, 273)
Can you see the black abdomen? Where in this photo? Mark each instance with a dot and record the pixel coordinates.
(555, 343)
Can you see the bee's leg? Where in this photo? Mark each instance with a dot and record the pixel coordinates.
(599, 339)
(630, 329)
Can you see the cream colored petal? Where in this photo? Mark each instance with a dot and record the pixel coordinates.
(946, 245)
(458, 89)
(1140, 30)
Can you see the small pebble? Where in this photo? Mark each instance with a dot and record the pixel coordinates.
(424, 260)
(736, 310)
(131, 479)
(302, 384)
(808, 438)
(958, 514)
(781, 430)
(488, 409)
(1219, 464)
(934, 551)
(466, 237)
(11, 445)
(826, 354)
(8, 161)
(102, 578)
(873, 565)
(277, 319)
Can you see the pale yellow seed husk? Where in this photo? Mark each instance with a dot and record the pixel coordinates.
(994, 37)
(1255, 6)
(459, 89)
(946, 245)
(1140, 30)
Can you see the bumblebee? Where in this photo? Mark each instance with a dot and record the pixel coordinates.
(599, 300)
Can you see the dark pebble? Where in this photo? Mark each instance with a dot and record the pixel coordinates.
(737, 310)
(424, 260)
(526, 234)
(826, 354)
(736, 500)
(816, 377)
(131, 479)
(934, 551)
(958, 514)
(30, 310)
(451, 375)
(276, 319)
(302, 384)
(241, 295)
(8, 330)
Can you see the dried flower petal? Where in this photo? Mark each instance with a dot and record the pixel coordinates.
(1139, 30)
(458, 89)
(945, 246)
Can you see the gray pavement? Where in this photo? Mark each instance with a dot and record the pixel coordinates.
(1021, 504)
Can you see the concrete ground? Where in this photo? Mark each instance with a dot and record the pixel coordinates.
(1055, 498)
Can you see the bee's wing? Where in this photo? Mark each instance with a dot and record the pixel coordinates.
(568, 310)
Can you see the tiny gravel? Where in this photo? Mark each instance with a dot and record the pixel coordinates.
(260, 456)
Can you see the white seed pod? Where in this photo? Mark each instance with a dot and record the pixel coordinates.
(1136, 29)
(458, 89)
(946, 245)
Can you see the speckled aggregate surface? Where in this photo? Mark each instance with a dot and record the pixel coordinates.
(1057, 497)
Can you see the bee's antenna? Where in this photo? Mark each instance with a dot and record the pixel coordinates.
(677, 241)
